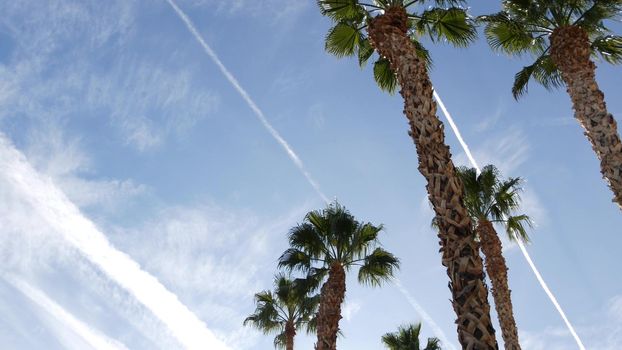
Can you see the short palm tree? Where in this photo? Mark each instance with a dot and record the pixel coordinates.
(284, 311)
(564, 36)
(407, 338)
(331, 242)
(490, 199)
(390, 30)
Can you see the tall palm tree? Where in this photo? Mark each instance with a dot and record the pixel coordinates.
(490, 199)
(331, 242)
(391, 29)
(564, 36)
(285, 310)
(407, 338)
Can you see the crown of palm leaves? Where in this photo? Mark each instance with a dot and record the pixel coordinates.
(445, 20)
(524, 27)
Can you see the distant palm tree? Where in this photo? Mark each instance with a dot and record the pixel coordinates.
(391, 29)
(563, 35)
(407, 338)
(331, 242)
(490, 199)
(285, 311)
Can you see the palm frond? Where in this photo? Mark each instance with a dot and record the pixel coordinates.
(543, 70)
(340, 10)
(384, 75)
(378, 266)
(515, 227)
(295, 259)
(506, 34)
(342, 40)
(609, 47)
(451, 24)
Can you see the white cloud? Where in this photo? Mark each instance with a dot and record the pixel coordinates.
(63, 159)
(350, 308)
(93, 338)
(215, 260)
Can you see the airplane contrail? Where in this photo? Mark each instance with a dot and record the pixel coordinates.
(47, 201)
(523, 250)
(428, 320)
(290, 152)
(251, 103)
(91, 336)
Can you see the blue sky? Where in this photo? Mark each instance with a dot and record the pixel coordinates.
(115, 109)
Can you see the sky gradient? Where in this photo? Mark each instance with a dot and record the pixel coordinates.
(126, 153)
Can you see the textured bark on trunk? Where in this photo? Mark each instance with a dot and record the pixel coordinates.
(290, 333)
(460, 252)
(329, 313)
(570, 50)
(497, 271)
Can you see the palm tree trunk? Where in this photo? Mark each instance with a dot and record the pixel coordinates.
(570, 50)
(329, 313)
(497, 271)
(388, 34)
(290, 333)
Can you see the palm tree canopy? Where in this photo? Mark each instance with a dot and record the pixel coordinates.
(289, 302)
(407, 338)
(525, 26)
(334, 235)
(488, 197)
(445, 20)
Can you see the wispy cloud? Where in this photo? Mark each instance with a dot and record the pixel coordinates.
(62, 216)
(93, 338)
(226, 257)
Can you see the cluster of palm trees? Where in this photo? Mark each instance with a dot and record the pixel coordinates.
(564, 36)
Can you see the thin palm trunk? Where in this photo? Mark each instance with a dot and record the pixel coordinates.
(388, 34)
(329, 313)
(570, 50)
(290, 333)
(497, 271)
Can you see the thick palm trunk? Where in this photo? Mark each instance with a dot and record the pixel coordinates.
(290, 333)
(329, 313)
(570, 50)
(460, 251)
(497, 271)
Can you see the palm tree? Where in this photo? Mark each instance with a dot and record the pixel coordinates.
(563, 36)
(331, 242)
(407, 338)
(284, 311)
(489, 199)
(390, 29)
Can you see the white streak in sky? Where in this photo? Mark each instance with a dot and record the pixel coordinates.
(64, 217)
(91, 336)
(428, 320)
(543, 284)
(290, 152)
(258, 112)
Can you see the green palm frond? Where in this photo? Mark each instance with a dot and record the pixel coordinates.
(543, 70)
(451, 24)
(515, 226)
(407, 338)
(280, 341)
(488, 197)
(295, 259)
(365, 51)
(609, 47)
(378, 267)
(509, 35)
(340, 10)
(384, 75)
(343, 40)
